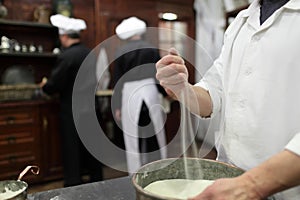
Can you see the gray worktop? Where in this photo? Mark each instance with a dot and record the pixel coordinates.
(114, 189)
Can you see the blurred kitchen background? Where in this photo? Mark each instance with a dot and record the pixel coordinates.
(29, 122)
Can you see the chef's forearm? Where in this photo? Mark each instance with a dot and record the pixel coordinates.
(279, 173)
(197, 100)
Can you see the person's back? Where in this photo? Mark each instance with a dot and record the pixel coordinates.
(136, 93)
(138, 55)
(70, 60)
(61, 81)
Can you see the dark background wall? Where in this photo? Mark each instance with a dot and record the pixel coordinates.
(103, 15)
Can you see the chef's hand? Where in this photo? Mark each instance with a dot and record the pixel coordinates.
(239, 188)
(172, 73)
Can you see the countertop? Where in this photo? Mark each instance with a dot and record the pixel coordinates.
(113, 189)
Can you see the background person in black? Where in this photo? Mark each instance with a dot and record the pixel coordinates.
(61, 81)
(134, 68)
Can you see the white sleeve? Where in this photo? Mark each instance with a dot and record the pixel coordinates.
(294, 144)
(212, 82)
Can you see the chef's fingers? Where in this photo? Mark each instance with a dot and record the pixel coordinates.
(169, 59)
(173, 51)
(170, 70)
(173, 80)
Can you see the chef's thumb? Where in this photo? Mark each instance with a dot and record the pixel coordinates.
(173, 51)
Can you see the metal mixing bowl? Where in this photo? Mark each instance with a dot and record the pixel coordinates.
(16, 189)
(173, 168)
(17, 186)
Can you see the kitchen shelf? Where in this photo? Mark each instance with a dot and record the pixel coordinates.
(29, 128)
(25, 23)
(19, 54)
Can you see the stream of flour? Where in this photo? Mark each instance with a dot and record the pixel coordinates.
(193, 182)
(188, 142)
(187, 133)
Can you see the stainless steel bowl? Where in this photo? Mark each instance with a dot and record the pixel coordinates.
(173, 168)
(18, 190)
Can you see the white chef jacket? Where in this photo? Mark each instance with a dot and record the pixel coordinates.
(255, 87)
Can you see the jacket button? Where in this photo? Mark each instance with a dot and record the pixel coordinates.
(248, 72)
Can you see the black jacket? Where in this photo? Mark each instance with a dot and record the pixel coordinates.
(134, 61)
(64, 74)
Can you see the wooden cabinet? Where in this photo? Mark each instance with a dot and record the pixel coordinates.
(29, 136)
(29, 128)
(19, 139)
(51, 152)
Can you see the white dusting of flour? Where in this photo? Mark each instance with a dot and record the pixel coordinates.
(178, 188)
(9, 193)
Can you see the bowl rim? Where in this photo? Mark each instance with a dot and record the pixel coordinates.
(145, 192)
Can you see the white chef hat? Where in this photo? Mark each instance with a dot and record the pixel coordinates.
(130, 27)
(67, 25)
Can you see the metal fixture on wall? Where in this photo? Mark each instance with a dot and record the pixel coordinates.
(3, 10)
(168, 16)
(63, 7)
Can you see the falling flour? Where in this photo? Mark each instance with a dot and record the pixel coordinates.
(188, 140)
(183, 188)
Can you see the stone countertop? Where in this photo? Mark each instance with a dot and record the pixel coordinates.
(114, 189)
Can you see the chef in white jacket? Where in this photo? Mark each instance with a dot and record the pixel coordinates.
(136, 92)
(254, 86)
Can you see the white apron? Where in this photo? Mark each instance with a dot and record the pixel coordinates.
(133, 95)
